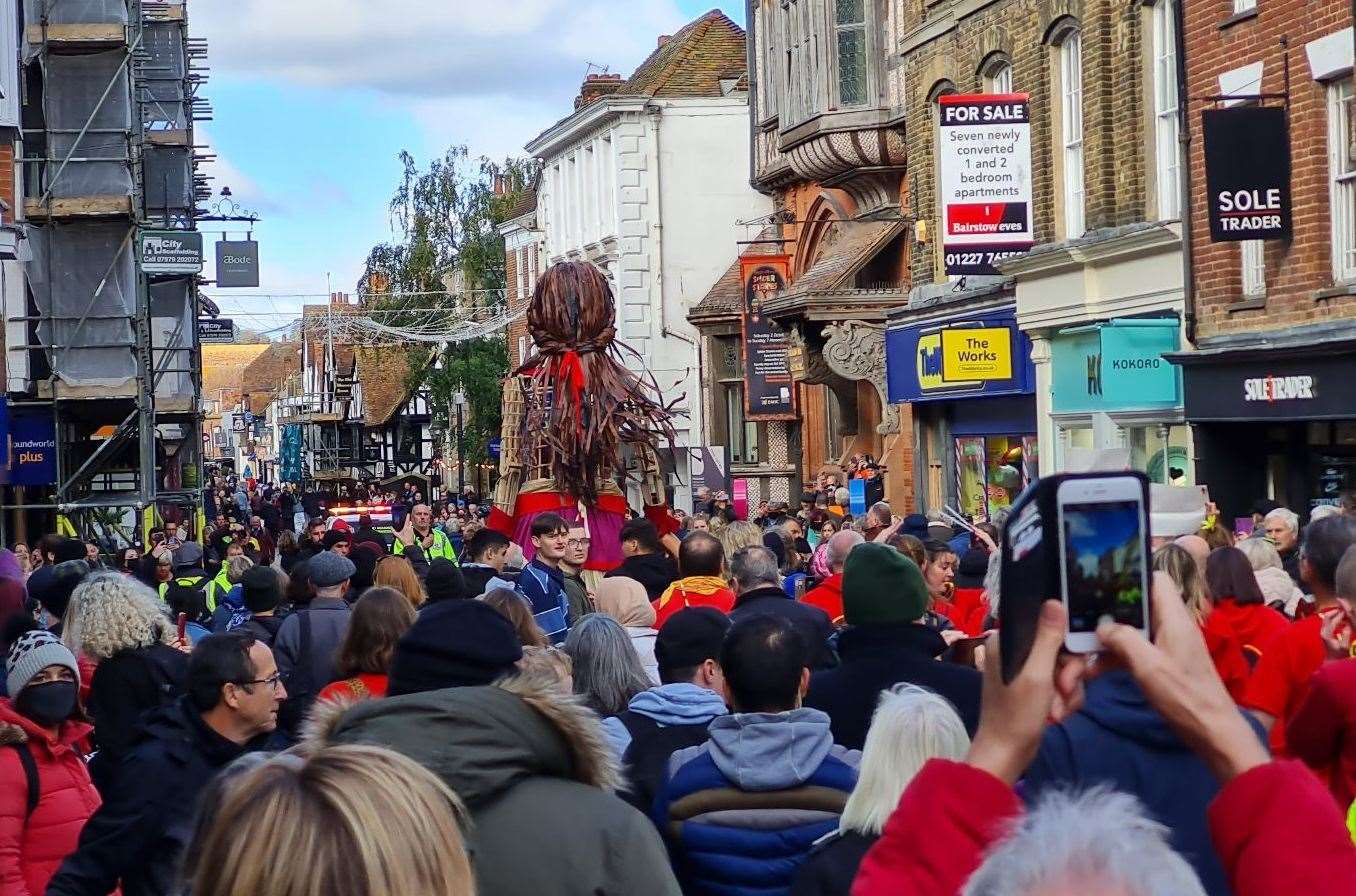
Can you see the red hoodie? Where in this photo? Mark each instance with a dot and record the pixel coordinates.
(1321, 729)
(1254, 624)
(828, 596)
(1275, 828)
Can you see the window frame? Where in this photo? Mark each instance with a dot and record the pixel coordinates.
(1163, 51)
(996, 75)
(1252, 264)
(939, 90)
(1242, 6)
(837, 28)
(1069, 50)
(1340, 99)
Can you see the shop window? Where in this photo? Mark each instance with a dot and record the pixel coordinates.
(1342, 170)
(1161, 452)
(1167, 150)
(991, 472)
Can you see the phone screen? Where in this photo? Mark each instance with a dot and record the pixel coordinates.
(1104, 563)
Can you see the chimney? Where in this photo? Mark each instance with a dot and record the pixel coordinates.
(664, 39)
(596, 86)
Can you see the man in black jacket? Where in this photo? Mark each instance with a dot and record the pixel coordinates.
(483, 557)
(758, 592)
(140, 832)
(646, 560)
(884, 597)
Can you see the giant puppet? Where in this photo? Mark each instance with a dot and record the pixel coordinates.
(573, 412)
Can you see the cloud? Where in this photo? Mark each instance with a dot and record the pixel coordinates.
(432, 48)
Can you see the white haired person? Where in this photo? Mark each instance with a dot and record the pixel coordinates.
(1274, 825)
(121, 625)
(910, 726)
(1282, 528)
(1278, 590)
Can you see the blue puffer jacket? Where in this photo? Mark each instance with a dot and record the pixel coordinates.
(778, 783)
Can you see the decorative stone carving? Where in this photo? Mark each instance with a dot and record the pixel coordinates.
(856, 351)
(842, 389)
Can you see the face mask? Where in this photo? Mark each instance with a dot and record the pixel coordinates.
(49, 703)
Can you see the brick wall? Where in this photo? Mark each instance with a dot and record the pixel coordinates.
(7, 176)
(514, 302)
(1114, 143)
(1295, 271)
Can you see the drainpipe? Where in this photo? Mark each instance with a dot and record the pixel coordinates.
(1184, 141)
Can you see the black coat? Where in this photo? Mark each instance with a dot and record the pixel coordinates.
(813, 623)
(832, 865)
(871, 659)
(139, 834)
(125, 687)
(655, 571)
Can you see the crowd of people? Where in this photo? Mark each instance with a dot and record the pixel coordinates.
(804, 702)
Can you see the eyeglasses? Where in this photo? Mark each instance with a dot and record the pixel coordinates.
(579, 542)
(274, 681)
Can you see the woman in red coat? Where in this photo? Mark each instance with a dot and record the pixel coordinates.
(43, 803)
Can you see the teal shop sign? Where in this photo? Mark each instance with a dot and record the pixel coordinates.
(1116, 366)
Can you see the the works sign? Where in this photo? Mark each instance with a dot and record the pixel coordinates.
(1247, 173)
(171, 251)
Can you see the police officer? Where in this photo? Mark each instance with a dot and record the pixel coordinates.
(421, 542)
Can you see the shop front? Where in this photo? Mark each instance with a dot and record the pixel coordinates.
(1112, 388)
(1277, 422)
(969, 381)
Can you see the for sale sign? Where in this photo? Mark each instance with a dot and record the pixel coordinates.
(1247, 173)
(984, 156)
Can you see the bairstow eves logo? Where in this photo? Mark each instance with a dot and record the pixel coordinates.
(1278, 388)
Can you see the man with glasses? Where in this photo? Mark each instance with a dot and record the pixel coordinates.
(139, 834)
(572, 567)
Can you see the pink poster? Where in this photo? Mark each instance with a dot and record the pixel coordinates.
(740, 495)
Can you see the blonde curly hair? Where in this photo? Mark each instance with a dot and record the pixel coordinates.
(111, 612)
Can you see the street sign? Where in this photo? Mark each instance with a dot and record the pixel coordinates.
(171, 251)
(494, 446)
(216, 331)
(237, 263)
(237, 423)
(249, 418)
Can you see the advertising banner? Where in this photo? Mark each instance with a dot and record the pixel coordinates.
(1247, 173)
(237, 263)
(769, 390)
(984, 156)
(32, 447)
(216, 331)
(289, 456)
(171, 251)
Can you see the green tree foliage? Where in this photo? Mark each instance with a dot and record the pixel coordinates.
(444, 219)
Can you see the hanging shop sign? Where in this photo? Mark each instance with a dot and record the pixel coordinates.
(1115, 366)
(769, 389)
(216, 331)
(171, 251)
(981, 356)
(290, 454)
(32, 447)
(237, 423)
(1247, 173)
(237, 263)
(984, 153)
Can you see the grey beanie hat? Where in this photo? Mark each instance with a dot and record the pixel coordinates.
(329, 569)
(34, 651)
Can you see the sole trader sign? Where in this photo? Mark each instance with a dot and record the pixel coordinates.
(984, 152)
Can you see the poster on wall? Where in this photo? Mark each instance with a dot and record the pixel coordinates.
(984, 160)
(769, 389)
(1247, 172)
(32, 447)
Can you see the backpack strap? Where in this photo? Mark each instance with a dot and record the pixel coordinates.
(30, 775)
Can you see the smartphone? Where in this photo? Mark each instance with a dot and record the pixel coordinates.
(1103, 556)
(183, 627)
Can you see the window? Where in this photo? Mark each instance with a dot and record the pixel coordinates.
(1167, 150)
(768, 78)
(1071, 131)
(850, 33)
(1342, 171)
(1244, 5)
(1253, 268)
(998, 77)
(743, 434)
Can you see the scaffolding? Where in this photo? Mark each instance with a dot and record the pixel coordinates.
(109, 350)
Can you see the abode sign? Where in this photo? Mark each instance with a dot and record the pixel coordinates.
(237, 263)
(171, 251)
(985, 155)
(1247, 173)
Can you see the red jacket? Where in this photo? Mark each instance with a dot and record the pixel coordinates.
(32, 846)
(1275, 828)
(828, 596)
(1321, 729)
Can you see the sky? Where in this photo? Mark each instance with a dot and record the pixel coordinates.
(314, 99)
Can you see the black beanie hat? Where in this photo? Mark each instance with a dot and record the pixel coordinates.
(337, 536)
(55, 591)
(689, 638)
(444, 581)
(69, 549)
(260, 589)
(455, 643)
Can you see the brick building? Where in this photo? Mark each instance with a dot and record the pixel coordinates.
(522, 266)
(1268, 389)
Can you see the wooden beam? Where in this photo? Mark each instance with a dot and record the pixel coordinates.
(167, 138)
(86, 34)
(78, 207)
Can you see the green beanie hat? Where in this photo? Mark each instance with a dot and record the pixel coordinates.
(882, 586)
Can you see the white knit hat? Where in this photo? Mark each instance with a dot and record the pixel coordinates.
(34, 651)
